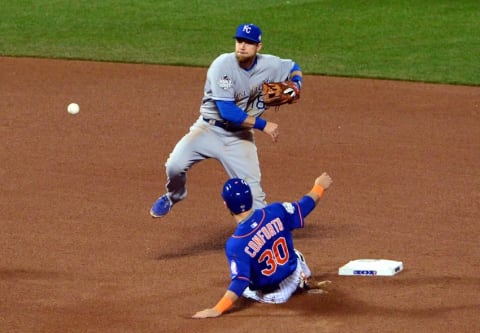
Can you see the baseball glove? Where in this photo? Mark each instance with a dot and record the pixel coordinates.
(279, 93)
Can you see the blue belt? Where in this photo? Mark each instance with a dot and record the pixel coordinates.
(222, 124)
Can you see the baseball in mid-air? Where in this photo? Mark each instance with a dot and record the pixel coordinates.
(73, 108)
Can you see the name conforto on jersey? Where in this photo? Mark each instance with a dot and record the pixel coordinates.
(265, 233)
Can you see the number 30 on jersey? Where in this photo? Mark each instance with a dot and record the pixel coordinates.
(277, 255)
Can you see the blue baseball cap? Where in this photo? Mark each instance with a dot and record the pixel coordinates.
(249, 32)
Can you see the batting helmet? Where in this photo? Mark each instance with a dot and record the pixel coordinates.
(237, 195)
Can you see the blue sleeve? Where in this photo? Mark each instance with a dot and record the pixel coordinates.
(294, 213)
(239, 264)
(306, 204)
(295, 67)
(238, 286)
(231, 112)
(297, 78)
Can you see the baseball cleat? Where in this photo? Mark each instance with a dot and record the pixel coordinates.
(318, 287)
(161, 207)
(313, 286)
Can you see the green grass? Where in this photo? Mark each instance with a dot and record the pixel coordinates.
(427, 40)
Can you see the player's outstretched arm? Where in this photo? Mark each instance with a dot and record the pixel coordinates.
(322, 183)
(223, 305)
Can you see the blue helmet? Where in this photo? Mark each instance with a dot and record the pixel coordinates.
(237, 195)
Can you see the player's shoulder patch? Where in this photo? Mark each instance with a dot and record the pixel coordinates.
(225, 82)
(233, 268)
(289, 207)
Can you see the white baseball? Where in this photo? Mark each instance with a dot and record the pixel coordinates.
(73, 108)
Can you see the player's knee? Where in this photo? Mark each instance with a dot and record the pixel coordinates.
(174, 168)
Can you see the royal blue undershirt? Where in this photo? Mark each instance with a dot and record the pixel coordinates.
(231, 112)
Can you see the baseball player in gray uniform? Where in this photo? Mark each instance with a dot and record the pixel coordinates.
(229, 113)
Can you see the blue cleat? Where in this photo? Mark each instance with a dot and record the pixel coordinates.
(161, 207)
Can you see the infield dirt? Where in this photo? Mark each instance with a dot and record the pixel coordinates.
(80, 252)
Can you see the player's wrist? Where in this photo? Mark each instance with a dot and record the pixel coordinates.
(318, 190)
(259, 123)
(223, 305)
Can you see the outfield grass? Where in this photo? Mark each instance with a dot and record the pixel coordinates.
(427, 40)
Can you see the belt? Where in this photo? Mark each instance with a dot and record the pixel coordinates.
(222, 124)
(217, 123)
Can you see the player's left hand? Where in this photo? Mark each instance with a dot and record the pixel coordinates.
(207, 313)
(279, 93)
(272, 130)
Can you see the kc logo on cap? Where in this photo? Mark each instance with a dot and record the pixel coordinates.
(249, 32)
(247, 28)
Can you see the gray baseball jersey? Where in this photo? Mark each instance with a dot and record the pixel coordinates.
(226, 81)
